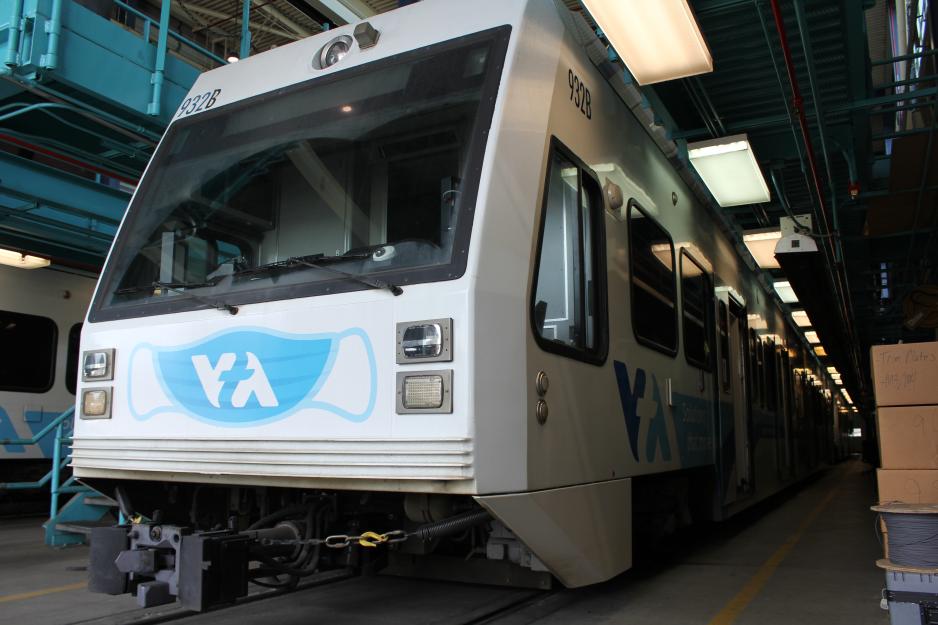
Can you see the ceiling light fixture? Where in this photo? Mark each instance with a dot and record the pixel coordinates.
(21, 260)
(801, 319)
(657, 40)
(785, 292)
(761, 245)
(729, 168)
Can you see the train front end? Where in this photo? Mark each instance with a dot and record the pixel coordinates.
(285, 329)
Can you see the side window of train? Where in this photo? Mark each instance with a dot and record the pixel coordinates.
(695, 303)
(33, 339)
(723, 329)
(568, 308)
(654, 297)
(71, 365)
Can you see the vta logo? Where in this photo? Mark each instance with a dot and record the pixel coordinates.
(636, 408)
(233, 380)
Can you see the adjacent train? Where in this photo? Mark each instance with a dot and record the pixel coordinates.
(41, 314)
(421, 294)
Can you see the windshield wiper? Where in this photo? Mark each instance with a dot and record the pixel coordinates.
(177, 287)
(320, 261)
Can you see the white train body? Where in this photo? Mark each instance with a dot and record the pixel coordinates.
(41, 312)
(302, 387)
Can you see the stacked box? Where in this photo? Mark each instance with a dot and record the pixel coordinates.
(905, 383)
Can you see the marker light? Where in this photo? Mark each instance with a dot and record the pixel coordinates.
(729, 169)
(96, 403)
(426, 341)
(233, 59)
(801, 319)
(762, 247)
(785, 292)
(23, 261)
(425, 391)
(333, 52)
(97, 365)
(658, 40)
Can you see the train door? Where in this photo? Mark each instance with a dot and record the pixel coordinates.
(733, 402)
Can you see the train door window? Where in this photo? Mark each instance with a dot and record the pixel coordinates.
(724, 332)
(569, 304)
(654, 310)
(29, 343)
(695, 303)
(71, 364)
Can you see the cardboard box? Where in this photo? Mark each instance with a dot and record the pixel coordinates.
(905, 374)
(907, 485)
(908, 437)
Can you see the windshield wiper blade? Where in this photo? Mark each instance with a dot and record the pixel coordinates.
(321, 261)
(177, 287)
(166, 285)
(315, 261)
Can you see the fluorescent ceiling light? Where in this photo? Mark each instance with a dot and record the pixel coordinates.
(729, 169)
(785, 292)
(756, 322)
(812, 337)
(820, 351)
(839, 382)
(657, 40)
(23, 261)
(800, 317)
(761, 245)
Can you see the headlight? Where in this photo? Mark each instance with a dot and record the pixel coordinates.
(425, 391)
(333, 52)
(96, 403)
(97, 365)
(428, 341)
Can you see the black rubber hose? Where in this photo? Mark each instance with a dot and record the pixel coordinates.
(452, 525)
(276, 516)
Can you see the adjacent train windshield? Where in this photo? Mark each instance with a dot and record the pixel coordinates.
(372, 172)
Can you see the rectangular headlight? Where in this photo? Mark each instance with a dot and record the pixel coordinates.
(96, 403)
(97, 365)
(425, 391)
(425, 341)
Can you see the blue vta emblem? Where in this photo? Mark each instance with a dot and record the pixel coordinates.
(635, 408)
(251, 376)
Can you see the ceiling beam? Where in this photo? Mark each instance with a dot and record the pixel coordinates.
(342, 11)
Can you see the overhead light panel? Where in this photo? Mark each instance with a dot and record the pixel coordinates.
(820, 351)
(729, 169)
(812, 337)
(756, 321)
(21, 260)
(801, 319)
(761, 245)
(657, 40)
(785, 292)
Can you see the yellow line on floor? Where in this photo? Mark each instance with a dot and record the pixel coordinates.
(737, 604)
(39, 593)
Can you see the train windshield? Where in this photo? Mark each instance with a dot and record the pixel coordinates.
(372, 172)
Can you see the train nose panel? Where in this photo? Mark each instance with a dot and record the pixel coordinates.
(247, 377)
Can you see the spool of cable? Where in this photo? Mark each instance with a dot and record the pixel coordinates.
(913, 534)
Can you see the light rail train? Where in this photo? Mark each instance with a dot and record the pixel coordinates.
(41, 313)
(425, 281)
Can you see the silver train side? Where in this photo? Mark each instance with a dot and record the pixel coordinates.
(577, 409)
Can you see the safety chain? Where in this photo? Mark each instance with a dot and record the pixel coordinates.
(341, 541)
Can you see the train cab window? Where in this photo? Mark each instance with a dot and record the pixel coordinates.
(569, 305)
(654, 310)
(695, 302)
(29, 344)
(71, 365)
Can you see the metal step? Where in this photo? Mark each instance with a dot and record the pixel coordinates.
(100, 500)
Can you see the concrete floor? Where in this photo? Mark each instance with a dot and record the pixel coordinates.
(805, 557)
